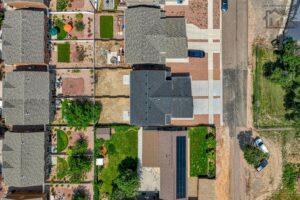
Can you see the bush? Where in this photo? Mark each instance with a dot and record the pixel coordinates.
(289, 177)
(253, 155)
(79, 114)
(79, 26)
(79, 16)
(62, 5)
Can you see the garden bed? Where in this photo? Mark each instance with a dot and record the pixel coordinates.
(202, 151)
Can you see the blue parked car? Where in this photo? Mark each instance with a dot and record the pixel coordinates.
(196, 53)
(263, 163)
(224, 5)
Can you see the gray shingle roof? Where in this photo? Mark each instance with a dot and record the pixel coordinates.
(156, 97)
(151, 38)
(24, 37)
(24, 159)
(26, 98)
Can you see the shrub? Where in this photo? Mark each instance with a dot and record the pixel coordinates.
(289, 177)
(79, 114)
(62, 5)
(253, 155)
(79, 26)
(79, 16)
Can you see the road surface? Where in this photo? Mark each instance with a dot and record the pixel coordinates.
(234, 50)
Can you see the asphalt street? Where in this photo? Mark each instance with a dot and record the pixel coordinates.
(234, 50)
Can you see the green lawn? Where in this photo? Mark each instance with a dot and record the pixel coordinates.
(124, 144)
(63, 53)
(198, 155)
(268, 98)
(60, 24)
(62, 168)
(106, 27)
(62, 140)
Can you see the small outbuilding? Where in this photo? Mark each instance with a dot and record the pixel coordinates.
(103, 133)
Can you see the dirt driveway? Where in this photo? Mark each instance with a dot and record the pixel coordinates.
(261, 185)
(112, 82)
(113, 110)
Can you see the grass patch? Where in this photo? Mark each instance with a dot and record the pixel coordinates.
(62, 140)
(60, 24)
(123, 144)
(106, 27)
(62, 168)
(268, 97)
(63, 53)
(198, 155)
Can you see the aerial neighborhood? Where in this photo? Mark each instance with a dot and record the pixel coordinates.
(149, 99)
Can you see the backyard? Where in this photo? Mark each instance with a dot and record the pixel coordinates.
(122, 147)
(202, 151)
(63, 53)
(106, 27)
(268, 97)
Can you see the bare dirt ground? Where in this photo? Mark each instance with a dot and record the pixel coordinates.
(109, 82)
(262, 185)
(113, 110)
(222, 166)
(258, 30)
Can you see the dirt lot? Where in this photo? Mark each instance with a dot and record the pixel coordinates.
(258, 30)
(76, 82)
(109, 82)
(112, 110)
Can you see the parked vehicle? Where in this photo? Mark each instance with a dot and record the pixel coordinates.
(224, 5)
(196, 53)
(259, 143)
(263, 163)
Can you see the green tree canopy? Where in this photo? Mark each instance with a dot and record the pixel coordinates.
(79, 114)
(253, 155)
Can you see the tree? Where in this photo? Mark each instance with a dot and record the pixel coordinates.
(79, 114)
(79, 163)
(127, 183)
(253, 155)
(79, 26)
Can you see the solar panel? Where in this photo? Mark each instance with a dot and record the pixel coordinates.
(180, 167)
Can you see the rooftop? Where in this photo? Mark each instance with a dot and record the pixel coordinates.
(26, 98)
(150, 37)
(24, 37)
(156, 97)
(24, 159)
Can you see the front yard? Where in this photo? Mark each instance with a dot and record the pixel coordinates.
(202, 151)
(120, 149)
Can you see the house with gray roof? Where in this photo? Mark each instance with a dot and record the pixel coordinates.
(152, 38)
(157, 97)
(24, 37)
(26, 3)
(26, 98)
(24, 159)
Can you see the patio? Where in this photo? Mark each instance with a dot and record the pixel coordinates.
(109, 54)
(82, 26)
(73, 5)
(66, 191)
(74, 82)
(80, 54)
(103, 20)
